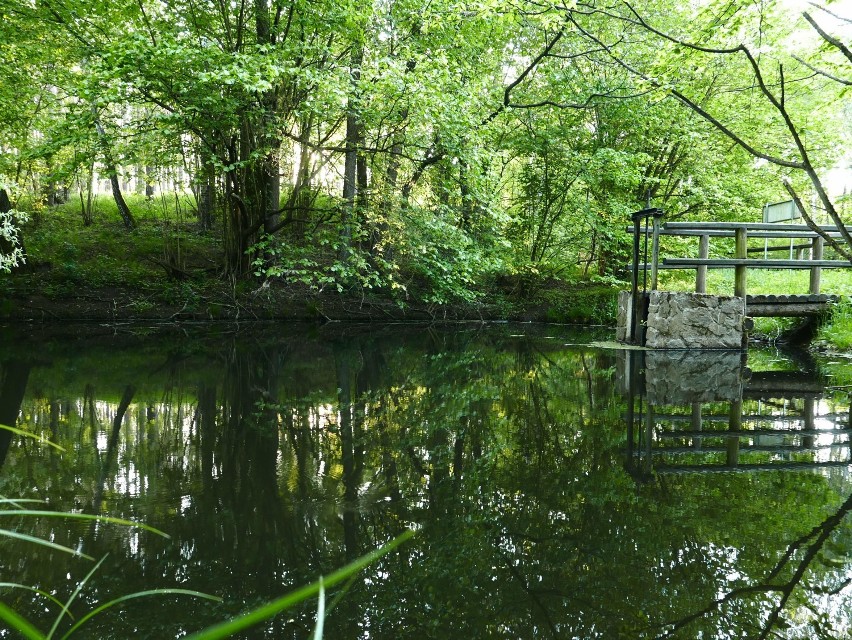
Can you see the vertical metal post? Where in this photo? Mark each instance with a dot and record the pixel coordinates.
(655, 251)
(816, 254)
(631, 407)
(634, 290)
(638, 302)
(649, 440)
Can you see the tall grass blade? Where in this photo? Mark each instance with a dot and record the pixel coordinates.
(243, 622)
(83, 516)
(44, 543)
(34, 436)
(19, 624)
(26, 587)
(132, 596)
(340, 593)
(320, 612)
(73, 597)
(17, 501)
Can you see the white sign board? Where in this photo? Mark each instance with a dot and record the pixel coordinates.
(781, 212)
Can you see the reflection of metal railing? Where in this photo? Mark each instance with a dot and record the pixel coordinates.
(682, 430)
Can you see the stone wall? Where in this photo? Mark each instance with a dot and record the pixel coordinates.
(625, 308)
(694, 321)
(678, 320)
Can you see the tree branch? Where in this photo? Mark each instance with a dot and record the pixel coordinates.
(691, 104)
(844, 251)
(529, 69)
(828, 37)
(837, 79)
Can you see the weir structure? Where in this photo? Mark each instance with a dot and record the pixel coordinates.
(678, 320)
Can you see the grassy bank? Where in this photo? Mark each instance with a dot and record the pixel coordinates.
(167, 268)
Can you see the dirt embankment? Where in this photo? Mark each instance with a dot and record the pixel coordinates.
(218, 300)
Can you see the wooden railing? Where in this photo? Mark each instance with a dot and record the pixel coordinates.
(648, 223)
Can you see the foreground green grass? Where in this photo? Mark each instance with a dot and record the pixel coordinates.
(837, 331)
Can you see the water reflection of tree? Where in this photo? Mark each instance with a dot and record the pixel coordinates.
(13, 384)
(782, 580)
(276, 460)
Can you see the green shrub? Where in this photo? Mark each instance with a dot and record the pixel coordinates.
(837, 331)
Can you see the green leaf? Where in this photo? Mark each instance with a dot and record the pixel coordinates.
(320, 611)
(45, 543)
(260, 614)
(132, 596)
(26, 587)
(34, 436)
(20, 624)
(73, 597)
(83, 516)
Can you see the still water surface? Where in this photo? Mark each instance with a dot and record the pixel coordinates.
(558, 490)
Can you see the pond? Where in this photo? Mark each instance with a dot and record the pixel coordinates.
(557, 488)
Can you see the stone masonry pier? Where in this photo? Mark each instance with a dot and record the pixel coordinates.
(678, 320)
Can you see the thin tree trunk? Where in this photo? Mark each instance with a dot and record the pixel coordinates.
(350, 169)
(109, 163)
(149, 182)
(207, 197)
(6, 246)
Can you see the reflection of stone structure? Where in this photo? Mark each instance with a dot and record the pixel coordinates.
(682, 377)
(694, 321)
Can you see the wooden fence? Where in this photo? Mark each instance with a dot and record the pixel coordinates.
(807, 255)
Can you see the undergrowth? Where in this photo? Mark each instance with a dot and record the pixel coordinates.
(837, 331)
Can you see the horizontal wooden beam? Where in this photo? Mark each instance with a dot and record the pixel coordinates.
(782, 310)
(752, 417)
(743, 448)
(748, 226)
(749, 433)
(781, 234)
(752, 263)
(791, 298)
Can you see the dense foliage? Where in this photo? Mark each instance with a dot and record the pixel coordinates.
(429, 148)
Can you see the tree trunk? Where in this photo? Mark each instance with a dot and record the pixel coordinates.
(273, 191)
(207, 197)
(302, 197)
(350, 169)
(109, 164)
(149, 182)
